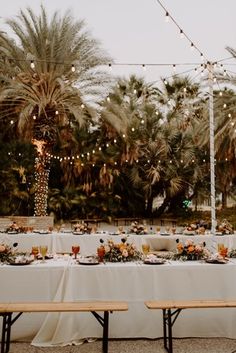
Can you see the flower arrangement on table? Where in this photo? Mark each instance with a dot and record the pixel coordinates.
(225, 227)
(14, 227)
(119, 252)
(82, 228)
(191, 251)
(7, 252)
(138, 228)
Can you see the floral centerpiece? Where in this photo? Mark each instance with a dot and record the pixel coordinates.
(191, 251)
(119, 252)
(82, 228)
(14, 227)
(225, 227)
(138, 228)
(7, 252)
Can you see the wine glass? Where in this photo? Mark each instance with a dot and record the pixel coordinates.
(145, 249)
(158, 229)
(75, 250)
(101, 253)
(43, 251)
(35, 251)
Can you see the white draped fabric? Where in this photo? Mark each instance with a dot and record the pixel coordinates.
(62, 242)
(133, 282)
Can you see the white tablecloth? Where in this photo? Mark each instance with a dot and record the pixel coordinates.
(62, 242)
(132, 282)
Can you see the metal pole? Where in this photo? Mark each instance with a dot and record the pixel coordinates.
(212, 148)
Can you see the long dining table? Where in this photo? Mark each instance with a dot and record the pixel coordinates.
(63, 279)
(62, 242)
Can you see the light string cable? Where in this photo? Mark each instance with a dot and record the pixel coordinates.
(211, 116)
(181, 31)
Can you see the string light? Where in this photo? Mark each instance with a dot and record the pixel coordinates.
(32, 65)
(192, 46)
(167, 18)
(73, 68)
(181, 33)
(144, 67)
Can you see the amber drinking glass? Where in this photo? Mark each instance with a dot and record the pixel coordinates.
(75, 250)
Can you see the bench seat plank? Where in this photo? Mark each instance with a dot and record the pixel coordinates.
(190, 304)
(63, 306)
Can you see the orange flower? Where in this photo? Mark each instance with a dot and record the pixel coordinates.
(180, 247)
(191, 249)
(2, 248)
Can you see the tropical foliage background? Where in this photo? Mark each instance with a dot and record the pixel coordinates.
(77, 142)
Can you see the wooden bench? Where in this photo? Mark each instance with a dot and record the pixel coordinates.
(172, 308)
(7, 310)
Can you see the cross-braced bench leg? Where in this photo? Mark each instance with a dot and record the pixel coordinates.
(169, 319)
(6, 330)
(104, 321)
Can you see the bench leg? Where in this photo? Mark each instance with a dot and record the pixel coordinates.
(105, 332)
(7, 323)
(6, 332)
(169, 319)
(104, 321)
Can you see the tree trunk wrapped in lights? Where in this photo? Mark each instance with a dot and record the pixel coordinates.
(42, 168)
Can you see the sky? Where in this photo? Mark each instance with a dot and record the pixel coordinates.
(135, 31)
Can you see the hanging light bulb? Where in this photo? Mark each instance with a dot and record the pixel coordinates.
(202, 57)
(132, 129)
(34, 117)
(181, 33)
(82, 106)
(221, 94)
(135, 91)
(73, 68)
(192, 46)
(224, 73)
(165, 82)
(167, 17)
(56, 112)
(32, 65)
(11, 122)
(174, 67)
(110, 66)
(144, 67)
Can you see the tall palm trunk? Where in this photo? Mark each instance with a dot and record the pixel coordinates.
(42, 168)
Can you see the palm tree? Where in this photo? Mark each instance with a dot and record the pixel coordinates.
(49, 75)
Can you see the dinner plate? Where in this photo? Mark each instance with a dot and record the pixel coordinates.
(12, 263)
(216, 261)
(83, 262)
(158, 262)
